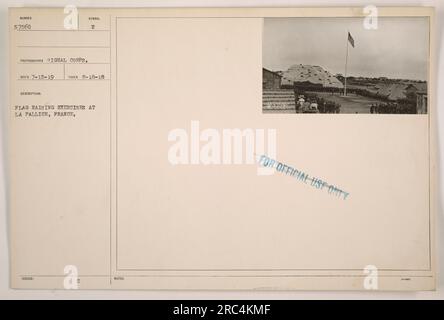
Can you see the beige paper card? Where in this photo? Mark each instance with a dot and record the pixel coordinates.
(266, 149)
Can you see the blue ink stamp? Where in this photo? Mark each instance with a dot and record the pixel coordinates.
(303, 177)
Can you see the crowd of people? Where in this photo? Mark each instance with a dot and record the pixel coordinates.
(315, 104)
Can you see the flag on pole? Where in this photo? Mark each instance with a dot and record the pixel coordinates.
(351, 40)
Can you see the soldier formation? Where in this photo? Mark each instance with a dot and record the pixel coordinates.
(392, 107)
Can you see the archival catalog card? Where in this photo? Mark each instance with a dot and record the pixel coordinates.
(233, 149)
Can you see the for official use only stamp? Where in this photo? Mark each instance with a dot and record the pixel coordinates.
(303, 177)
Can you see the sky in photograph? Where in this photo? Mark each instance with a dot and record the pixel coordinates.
(399, 48)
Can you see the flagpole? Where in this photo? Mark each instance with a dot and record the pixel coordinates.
(346, 60)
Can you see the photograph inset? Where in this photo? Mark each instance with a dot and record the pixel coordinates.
(337, 65)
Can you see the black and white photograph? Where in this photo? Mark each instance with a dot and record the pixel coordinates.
(345, 65)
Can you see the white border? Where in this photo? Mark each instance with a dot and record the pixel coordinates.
(6, 293)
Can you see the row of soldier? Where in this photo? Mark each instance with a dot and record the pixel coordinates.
(391, 108)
